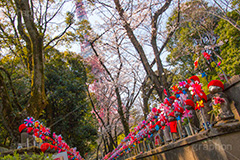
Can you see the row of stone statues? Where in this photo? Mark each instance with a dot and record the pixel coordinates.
(196, 115)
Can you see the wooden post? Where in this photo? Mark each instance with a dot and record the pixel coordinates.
(179, 129)
(27, 142)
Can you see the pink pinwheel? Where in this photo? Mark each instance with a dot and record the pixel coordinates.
(182, 84)
(183, 96)
(185, 114)
(176, 105)
(143, 122)
(218, 100)
(43, 137)
(59, 139)
(197, 88)
(29, 121)
(54, 135)
(154, 110)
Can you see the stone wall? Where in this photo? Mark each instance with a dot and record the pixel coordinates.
(232, 89)
(220, 143)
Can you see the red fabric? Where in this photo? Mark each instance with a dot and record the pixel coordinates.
(165, 92)
(216, 83)
(173, 126)
(206, 55)
(22, 127)
(44, 147)
(157, 140)
(190, 103)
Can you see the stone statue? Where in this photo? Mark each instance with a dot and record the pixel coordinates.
(178, 111)
(220, 101)
(194, 121)
(27, 139)
(173, 125)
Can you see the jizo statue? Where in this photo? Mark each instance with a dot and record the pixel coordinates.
(220, 101)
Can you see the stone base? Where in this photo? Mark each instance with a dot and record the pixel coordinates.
(220, 142)
(223, 122)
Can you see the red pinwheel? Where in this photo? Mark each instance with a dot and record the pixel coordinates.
(165, 92)
(174, 88)
(206, 55)
(196, 63)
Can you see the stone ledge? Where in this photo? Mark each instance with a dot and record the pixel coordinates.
(232, 81)
(215, 131)
(30, 150)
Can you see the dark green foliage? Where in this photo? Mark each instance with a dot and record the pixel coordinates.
(230, 50)
(65, 87)
(25, 156)
(68, 112)
(201, 32)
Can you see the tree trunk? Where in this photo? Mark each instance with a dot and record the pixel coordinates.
(38, 100)
(121, 113)
(161, 74)
(139, 49)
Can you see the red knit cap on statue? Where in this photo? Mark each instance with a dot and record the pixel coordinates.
(190, 103)
(44, 147)
(22, 127)
(172, 97)
(216, 83)
(194, 78)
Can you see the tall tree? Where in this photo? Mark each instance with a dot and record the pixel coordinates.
(154, 18)
(138, 21)
(25, 33)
